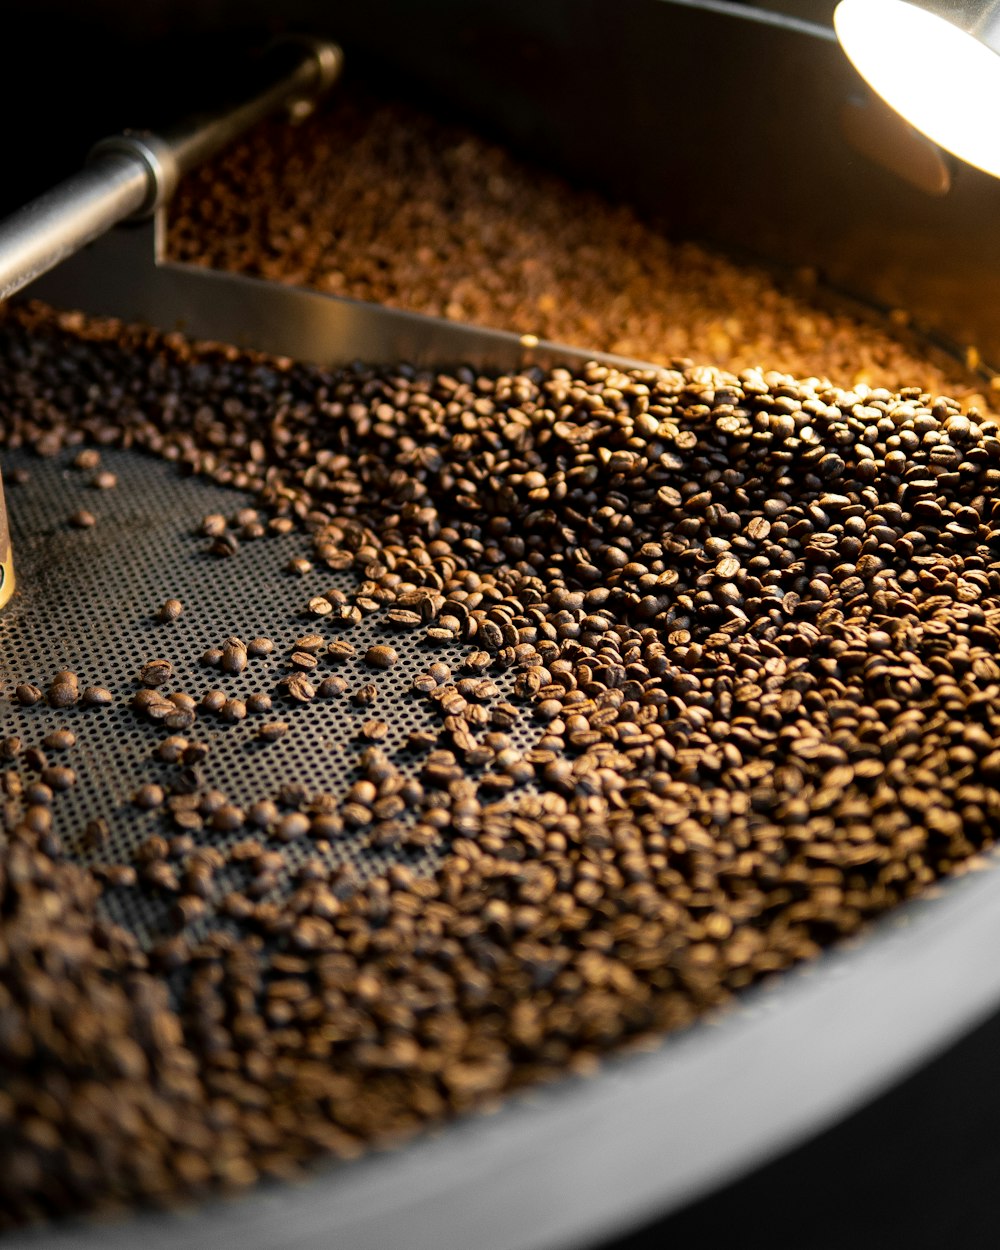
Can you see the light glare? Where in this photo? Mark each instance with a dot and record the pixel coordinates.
(942, 80)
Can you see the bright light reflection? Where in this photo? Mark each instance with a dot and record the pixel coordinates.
(943, 81)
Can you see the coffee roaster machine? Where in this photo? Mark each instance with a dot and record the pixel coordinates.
(855, 1102)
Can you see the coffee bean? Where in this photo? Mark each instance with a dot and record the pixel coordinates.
(297, 687)
(59, 778)
(148, 796)
(331, 687)
(156, 673)
(62, 694)
(172, 749)
(234, 659)
(97, 696)
(170, 610)
(233, 710)
(380, 656)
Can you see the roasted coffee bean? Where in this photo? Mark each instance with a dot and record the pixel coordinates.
(258, 647)
(233, 710)
(258, 703)
(38, 792)
(331, 687)
(170, 610)
(97, 831)
(227, 817)
(26, 694)
(148, 796)
(213, 700)
(97, 696)
(234, 658)
(272, 730)
(58, 777)
(381, 656)
(310, 643)
(213, 525)
(62, 694)
(171, 750)
(291, 826)
(83, 520)
(156, 673)
(59, 740)
(194, 753)
(297, 687)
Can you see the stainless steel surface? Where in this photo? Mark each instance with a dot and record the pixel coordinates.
(117, 277)
(133, 173)
(315, 65)
(58, 223)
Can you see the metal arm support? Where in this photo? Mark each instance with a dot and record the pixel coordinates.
(132, 174)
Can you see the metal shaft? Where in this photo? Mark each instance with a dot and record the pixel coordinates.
(61, 221)
(131, 174)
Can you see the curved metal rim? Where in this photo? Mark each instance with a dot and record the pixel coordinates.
(568, 1165)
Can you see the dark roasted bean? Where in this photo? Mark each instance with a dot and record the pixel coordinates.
(170, 610)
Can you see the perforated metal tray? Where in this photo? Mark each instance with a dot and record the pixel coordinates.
(87, 602)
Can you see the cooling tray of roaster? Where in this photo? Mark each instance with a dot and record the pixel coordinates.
(559, 1167)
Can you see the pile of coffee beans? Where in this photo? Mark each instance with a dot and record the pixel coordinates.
(752, 621)
(377, 200)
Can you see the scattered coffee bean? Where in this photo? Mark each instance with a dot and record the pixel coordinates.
(148, 796)
(58, 777)
(156, 673)
(97, 696)
(170, 610)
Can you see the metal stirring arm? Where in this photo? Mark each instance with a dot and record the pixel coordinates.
(132, 174)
